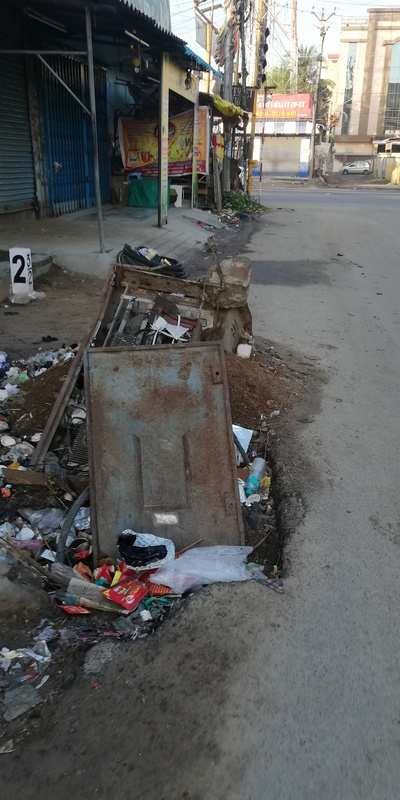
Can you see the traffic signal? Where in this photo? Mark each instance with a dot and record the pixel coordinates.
(262, 58)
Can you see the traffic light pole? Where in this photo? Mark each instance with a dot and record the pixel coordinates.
(261, 15)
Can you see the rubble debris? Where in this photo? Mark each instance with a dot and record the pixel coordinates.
(98, 656)
(7, 747)
(20, 700)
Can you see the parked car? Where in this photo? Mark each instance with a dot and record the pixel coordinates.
(357, 168)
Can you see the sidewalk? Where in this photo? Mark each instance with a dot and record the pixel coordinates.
(72, 240)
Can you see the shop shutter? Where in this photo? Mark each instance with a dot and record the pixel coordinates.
(67, 136)
(17, 185)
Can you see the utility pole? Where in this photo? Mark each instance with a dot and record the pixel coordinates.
(323, 30)
(228, 79)
(242, 36)
(294, 47)
(261, 16)
(210, 43)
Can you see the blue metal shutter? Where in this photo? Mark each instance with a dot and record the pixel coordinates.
(67, 137)
(17, 184)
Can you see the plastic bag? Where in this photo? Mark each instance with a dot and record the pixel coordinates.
(218, 564)
(149, 540)
(82, 519)
(44, 519)
(7, 530)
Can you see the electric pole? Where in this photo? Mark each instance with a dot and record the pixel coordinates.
(261, 17)
(323, 30)
(294, 47)
(242, 36)
(228, 79)
(210, 44)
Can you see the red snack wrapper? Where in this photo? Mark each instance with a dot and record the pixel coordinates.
(127, 593)
(74, 610)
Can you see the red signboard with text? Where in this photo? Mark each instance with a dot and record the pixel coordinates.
(285, 106)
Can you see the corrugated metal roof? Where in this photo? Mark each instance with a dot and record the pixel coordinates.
(111, 18)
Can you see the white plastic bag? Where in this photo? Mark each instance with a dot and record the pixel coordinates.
(218, 564)
(45, 520)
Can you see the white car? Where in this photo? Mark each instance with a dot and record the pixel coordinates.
(356, 168)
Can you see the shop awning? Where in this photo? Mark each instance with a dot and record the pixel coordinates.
(202, 63)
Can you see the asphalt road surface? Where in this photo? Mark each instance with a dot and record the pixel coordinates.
(330, 723)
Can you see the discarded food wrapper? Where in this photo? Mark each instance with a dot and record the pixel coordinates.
(4, 426)
(75, 610)
(127, 593)
(144, 550)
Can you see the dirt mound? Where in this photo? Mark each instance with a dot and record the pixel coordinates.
(31, 407)
(260, 385)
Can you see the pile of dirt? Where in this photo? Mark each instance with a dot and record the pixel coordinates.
(31, 408)
(261, 385)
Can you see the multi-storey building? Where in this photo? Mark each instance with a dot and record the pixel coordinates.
(366, 97)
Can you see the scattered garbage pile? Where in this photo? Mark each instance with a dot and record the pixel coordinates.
(149, 258)
(14, 376)
(126, 566)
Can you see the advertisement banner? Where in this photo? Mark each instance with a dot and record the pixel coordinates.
(139, 144)
(285, 107)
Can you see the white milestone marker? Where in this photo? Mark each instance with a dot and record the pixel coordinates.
(21, 271)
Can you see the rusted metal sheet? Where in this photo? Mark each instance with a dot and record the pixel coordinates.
(160, 444)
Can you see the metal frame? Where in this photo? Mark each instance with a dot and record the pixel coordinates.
(91, 112)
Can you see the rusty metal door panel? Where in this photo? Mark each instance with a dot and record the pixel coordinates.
(161, 451)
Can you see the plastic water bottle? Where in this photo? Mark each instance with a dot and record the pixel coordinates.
(257, 471)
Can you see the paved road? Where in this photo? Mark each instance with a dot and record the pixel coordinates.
(329, 726)
(330, 197)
